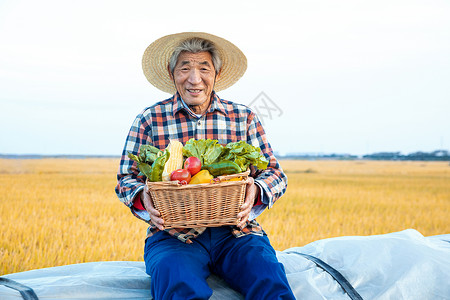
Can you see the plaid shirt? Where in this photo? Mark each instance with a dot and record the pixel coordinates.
(224, 121)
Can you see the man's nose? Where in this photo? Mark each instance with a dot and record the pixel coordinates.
(194, 77)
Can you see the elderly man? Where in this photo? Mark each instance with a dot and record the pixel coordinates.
(192, 66)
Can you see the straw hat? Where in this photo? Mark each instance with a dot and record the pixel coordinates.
(156, 59)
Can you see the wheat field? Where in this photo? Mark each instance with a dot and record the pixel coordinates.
(64, 211)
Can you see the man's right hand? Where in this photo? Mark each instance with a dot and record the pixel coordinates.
(155, 216)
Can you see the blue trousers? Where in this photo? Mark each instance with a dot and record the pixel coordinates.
(248, 264)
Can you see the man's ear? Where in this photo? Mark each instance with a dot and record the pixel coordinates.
(170, 73)
(218, 74)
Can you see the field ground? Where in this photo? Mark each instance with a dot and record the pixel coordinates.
(64, 211)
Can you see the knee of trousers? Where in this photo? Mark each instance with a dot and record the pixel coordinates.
(255, 270)
(267, 280)
(174, 277)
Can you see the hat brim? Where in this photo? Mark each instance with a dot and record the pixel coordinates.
(156, 57)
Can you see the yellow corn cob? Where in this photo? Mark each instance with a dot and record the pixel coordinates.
(175, 161)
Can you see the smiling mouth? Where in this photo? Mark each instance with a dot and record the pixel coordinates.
(194, 91)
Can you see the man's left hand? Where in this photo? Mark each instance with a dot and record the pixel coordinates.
(251, 193)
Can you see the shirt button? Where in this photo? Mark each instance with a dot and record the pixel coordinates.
(199, 123)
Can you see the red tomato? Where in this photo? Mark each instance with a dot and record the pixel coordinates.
(180, 175)
(193, 165)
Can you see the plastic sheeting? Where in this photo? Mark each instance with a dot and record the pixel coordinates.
(402, 265)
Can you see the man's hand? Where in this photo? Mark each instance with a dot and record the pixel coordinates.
(155, 216)
(251, 193)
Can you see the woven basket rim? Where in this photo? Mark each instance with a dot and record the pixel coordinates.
(221, 180)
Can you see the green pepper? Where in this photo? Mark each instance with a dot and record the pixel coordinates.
(158, 167)
(223, 167)
(134, 157)
(145, 169)
(148, 153)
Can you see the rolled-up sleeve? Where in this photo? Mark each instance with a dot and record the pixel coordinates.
(272, 181)
(129, 182)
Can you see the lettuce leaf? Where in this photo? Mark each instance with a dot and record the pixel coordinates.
(144, 168)
(210, 151)
(190, 149)
(206, 150)
(147, 155)
(244, 155)
(213, 151)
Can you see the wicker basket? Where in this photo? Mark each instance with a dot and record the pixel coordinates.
(199, 205)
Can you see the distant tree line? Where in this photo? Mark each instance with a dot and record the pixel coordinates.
(333, 156)
(437, 155)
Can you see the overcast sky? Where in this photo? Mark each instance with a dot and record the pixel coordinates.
(338, 76)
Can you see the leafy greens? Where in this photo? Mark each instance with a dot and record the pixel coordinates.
(210, 151)
(147, 155)
(206, 150)
(244, 155)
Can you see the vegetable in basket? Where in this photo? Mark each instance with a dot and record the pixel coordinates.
(235, 157)
(150, 161)
(158, 167)
(244, 155)
(181, 175)
(147, 155)
(175, 161)
(201, 177)
(193, 165)
(210, 151)
(223, 167)
(206, 150)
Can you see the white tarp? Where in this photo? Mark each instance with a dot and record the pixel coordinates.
(402, 265)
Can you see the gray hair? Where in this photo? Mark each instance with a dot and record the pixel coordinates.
(195, 45)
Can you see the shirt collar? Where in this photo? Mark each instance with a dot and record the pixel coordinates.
(177, 104)
(216, 104)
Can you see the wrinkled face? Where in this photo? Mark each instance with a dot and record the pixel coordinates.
(194, 76)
